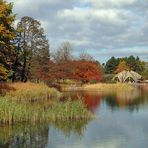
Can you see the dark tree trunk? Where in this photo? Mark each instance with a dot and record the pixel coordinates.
(15, 65)
(23, 73)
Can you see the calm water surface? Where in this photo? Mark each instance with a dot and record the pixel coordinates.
(121, 121)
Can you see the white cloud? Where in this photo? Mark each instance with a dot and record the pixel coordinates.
(91, 24)
(111, 16)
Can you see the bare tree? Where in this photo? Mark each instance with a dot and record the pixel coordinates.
(63, 53)
(85, 57)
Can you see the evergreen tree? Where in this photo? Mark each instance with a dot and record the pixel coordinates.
(111, 65)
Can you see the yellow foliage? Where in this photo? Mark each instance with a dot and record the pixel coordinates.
(6, 19)
(122, 66)
(3, 73)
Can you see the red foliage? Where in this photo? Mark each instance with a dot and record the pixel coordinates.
(84, 71)
(92, 101)
(87, 71)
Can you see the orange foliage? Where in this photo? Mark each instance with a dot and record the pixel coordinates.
(87, 71)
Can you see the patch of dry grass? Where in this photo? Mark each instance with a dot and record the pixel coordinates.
(108, 87)
(32, 92)
(4, 88)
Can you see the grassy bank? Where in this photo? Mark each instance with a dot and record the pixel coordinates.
(108, 87)
(31, 102)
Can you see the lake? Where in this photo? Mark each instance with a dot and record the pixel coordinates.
(121, 120)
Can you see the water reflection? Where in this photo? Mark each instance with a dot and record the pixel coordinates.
(130, 100)
(71, 127)
(36, 136)
(27, 136)
(122, 121)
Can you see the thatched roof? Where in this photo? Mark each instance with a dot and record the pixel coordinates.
(126, 75)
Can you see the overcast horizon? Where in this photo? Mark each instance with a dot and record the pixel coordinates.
(102, 28)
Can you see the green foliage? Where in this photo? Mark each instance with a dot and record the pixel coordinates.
(111, 65)
(135, 64)
(131, 63)
(145, 74)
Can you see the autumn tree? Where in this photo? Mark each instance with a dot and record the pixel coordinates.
(33, 42)
(121, 66)
(3, 73)
(60, 71)
(86, 71)
(40, 61)
(7, 34)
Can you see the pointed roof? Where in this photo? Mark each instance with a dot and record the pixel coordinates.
(124, 75)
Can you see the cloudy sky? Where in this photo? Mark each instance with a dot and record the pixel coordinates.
(102, 28)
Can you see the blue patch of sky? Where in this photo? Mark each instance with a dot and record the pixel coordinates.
(84, 5)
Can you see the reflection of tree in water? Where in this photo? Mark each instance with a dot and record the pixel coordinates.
(24, 136)
(144, 88)
(69, 127)
(91, 100)
(111, 102)
(130, 100)
(36, 136)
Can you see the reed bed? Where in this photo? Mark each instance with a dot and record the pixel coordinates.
(69, 110)
(12, 112)
(30, 102)
(108, 87)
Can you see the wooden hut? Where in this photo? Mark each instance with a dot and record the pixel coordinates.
(127, 76)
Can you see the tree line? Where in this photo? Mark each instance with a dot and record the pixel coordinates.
(116, 65)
